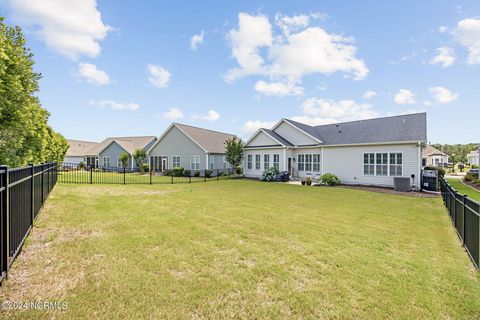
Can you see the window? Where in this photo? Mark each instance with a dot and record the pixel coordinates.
(395, 164)
(119, 163)
(276, 161)
(382, 164)
(301, 162)
(211, 162)
(266, 161)
(316, 163)
(195, 162)
(308, 162)
(369, 164)
(249, 162)
(257, 162)
(106, 161)
(176, 161)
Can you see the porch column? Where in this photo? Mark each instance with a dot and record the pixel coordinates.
(285, 159)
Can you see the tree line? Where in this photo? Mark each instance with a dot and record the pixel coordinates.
(459, 150)
(25, 136)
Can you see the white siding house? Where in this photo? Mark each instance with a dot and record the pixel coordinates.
(473, 157)
(367, 152)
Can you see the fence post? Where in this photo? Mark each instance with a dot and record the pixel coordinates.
(205, 175)
(5, 221)
(91, 173)
(124, 175)
(218, 178)
(463, 213)
(32, 200)
(190, 177)
(42, 175)
(172, 177)
(150, 174)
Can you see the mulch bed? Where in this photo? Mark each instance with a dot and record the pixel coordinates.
(469, 183)
(416, 194)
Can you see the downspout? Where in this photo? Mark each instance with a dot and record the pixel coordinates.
(419, 187)
(206, 163)
(321, 162)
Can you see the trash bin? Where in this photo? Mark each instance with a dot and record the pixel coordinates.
(430, 180)
(401, 184)
(285, 176)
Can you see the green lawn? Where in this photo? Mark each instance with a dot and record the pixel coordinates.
(243, 249)
(464, 189)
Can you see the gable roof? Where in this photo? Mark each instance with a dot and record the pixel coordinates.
(77, 148)
(277, 137)
(394, 129)
(129, 144)
(430, 151)
(402, 128)
(209, 140)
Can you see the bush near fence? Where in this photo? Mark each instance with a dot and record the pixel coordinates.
(73, 173)
(465, 215)
(23, 192)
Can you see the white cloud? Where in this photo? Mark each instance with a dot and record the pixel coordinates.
(110, 104)
(211, 115)
(280, 89)
(172, 114)
(253, 32)
(427, 103)
(442, 95)
(297, 51)
(71, 28)
(445, 57)
(290, 24)
(467, 33)
(443, 29)
(196, 40)
(369, 94)
(253, 125)
(92, 74)
(313, 121)
(344, 110)
(404, 96)
(159, 77)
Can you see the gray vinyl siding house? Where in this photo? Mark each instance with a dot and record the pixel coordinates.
(189, 147)
(107, 153)
(76, 151)
(367, 152)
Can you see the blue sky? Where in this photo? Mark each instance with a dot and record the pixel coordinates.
(122, 68)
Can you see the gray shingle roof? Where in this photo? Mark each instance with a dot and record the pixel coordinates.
(130, 144)
(77, 148)
(211, 141)
(410, 127)
(429, 151)
(278, 137)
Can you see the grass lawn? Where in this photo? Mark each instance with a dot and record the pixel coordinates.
(242, 249)
(464, 189)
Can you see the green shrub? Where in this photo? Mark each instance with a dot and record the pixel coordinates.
(81, 165)
(269, 175)
(239, 170)
(167, 172)
(208, 173)
(144, 167)
(474, 166)
(178, 171)
(187, 173)
(308, 181)
(329, 179)
(196, 174)
(468, 177)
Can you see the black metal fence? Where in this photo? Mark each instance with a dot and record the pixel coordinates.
(465, 215)
(76, 173)
(22, 194)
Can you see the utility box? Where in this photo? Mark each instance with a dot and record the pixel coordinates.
(401, 184)
(430, 180)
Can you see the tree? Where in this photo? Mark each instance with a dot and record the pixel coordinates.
(234, 151)
(24, 132)
(459, 150)
(140, 157)
(124, 159)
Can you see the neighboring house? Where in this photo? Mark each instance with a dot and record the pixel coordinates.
(77, 150)
(189, 147)
(107, 153)
(368, 152)
(433, 157)
(473, 157)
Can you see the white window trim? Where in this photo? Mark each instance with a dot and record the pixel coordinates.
(388, 164)
(119, 163)
(311, 162)
(274, 162)
(268, 166)
(179, 161)
(109, 161)
(196, 156)
(259, 162)
(250, 161)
